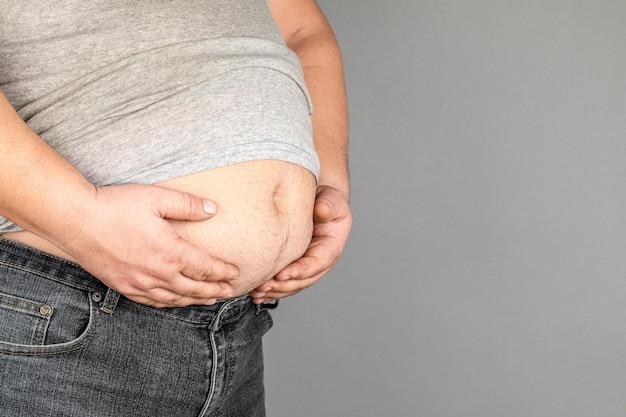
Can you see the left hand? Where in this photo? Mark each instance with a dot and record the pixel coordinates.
(332, 221)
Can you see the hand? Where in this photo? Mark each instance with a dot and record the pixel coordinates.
(332, 223)
(128, 243)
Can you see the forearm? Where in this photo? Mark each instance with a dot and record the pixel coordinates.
(120, 234)
(40, 190)
(308, 34)
(323, 74)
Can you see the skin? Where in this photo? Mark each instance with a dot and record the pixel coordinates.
(307, 32)
(46, 195)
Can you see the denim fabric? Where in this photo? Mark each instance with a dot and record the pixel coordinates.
(69, 346)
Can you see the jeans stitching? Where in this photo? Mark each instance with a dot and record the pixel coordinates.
(229, 374)
(21, 245)
(48, 350)
(31, 308)
(10, 298)
(47, 275)
(186, 318)
(215, 327)
(166, 313)
(39, 334)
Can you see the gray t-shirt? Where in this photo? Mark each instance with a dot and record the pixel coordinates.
(144, 91)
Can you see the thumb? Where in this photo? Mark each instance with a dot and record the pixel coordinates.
(179, 205)
(328, 205)
(323, 210)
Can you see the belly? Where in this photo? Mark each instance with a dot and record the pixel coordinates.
(264, 219)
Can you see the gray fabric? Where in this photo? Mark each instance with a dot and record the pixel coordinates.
(146, 91)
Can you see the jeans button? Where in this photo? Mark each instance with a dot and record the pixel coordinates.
(96, 297)
(45, 310)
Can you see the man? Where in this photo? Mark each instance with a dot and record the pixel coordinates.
(128, 237)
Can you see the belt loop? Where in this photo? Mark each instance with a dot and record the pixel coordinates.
(216, 323)
(110, 301)
(266, 306)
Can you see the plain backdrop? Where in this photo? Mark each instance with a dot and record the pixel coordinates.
(485, 275)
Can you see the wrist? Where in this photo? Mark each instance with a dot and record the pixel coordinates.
(341, 187)
(68, 206)
(338, 179)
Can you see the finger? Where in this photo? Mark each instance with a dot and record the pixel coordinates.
(263, 289)
(161, 298)
(273, 296)
(265, 300)
(274, 289)
(200, 291)
(178, 205)
(319, 258)
(198, 265)
(176, 292)
(292, 286)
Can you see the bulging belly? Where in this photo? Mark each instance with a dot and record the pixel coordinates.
(264, 219)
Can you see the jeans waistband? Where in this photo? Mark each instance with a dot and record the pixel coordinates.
(69, 273)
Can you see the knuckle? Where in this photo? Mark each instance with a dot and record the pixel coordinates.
(195, 294)
(207, 272)
(149, 302)
(187, 203)
(177, 301)
(227, 293)
(200, 291)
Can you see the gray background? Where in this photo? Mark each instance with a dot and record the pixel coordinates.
(485, 274)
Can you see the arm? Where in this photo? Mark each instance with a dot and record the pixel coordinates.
(104, 228)
(307, 32)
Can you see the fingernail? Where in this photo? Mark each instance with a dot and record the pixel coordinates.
(209, 206)
(284, 278)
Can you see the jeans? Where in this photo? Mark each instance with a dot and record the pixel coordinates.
(70, 346)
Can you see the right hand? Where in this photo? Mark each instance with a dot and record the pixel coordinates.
(128, 243)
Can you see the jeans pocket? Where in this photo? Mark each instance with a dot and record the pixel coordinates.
(39, 316)
(23, 321)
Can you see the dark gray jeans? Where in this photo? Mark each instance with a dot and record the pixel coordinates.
(69, 346)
